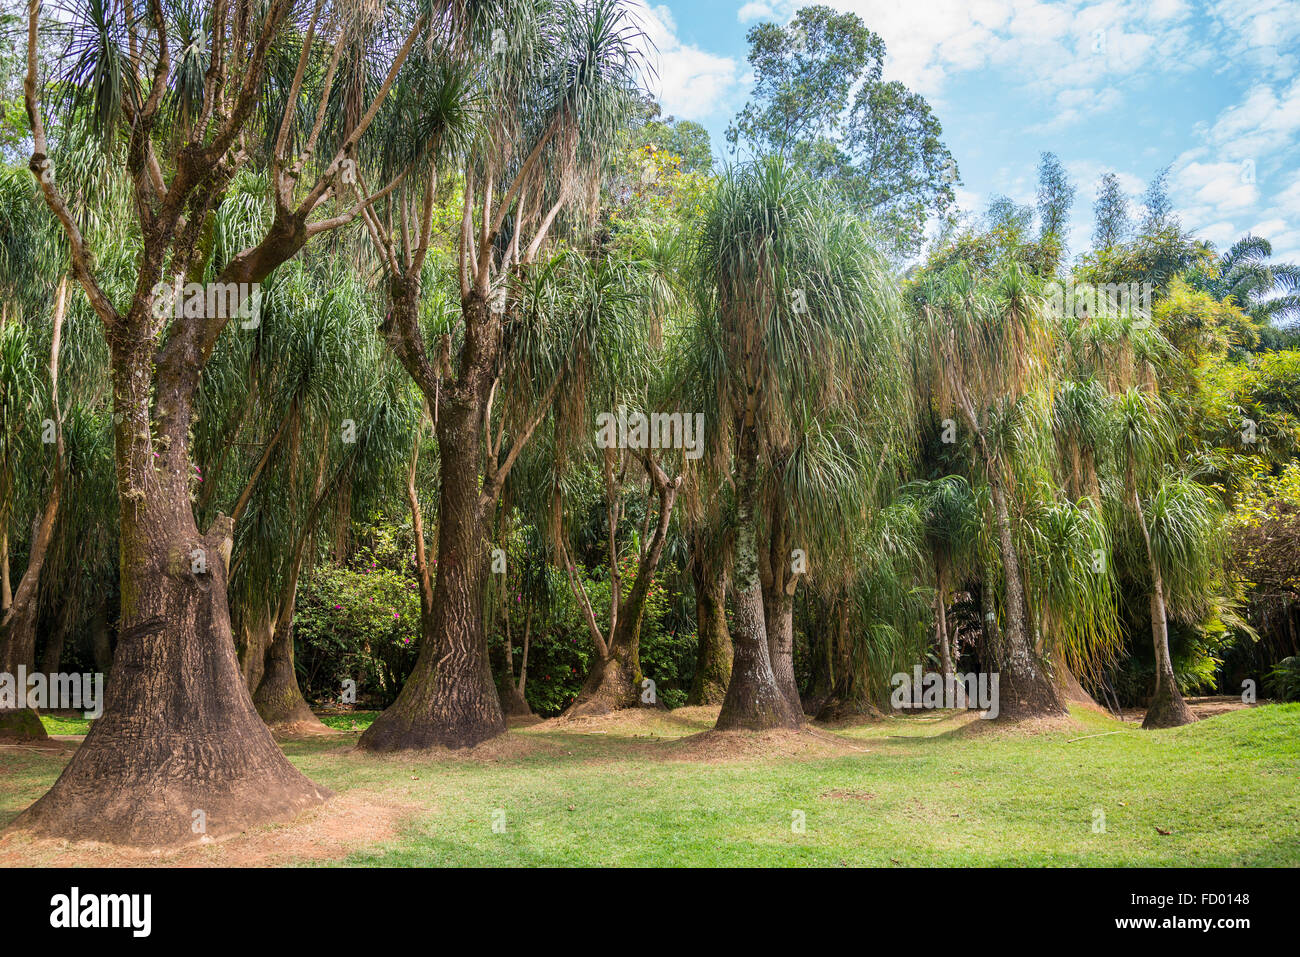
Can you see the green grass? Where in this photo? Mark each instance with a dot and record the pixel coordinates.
(921, 792)
(57, 725)
(357, 720)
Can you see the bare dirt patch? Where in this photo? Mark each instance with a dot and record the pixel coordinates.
(978, 727)
(636, 722)
(841, 795)
(505, 747)
(54, 744)
(348, 822)
(778, 744)
(1206, 707)
(293, 730)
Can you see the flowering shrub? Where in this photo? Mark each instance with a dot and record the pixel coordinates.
(360, 622)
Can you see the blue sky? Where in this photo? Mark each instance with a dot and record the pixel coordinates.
(1211, 89)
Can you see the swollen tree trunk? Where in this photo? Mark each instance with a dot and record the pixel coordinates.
(1025, 688)
(1167, 708)
(513, 702)
(179, 752)
(848, 698)
(449, 700)
(713, 652)
(615, 680)
(776, 571)
(278, 698)
(18, 625)
(753, 700)
(257, 631)
(778, 616)
(1072, 690)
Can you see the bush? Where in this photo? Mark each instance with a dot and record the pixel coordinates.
(360, 622)
(1284, 679)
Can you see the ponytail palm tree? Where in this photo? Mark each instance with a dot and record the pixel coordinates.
(1177, 523)
(951, 516)
(989, 343)
(553, 83)
(181, 108)
(806, 314)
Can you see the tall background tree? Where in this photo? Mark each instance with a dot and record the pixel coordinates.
(820, 99)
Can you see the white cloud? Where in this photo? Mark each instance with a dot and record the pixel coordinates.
(1222, 234)
(1264, 121)
(1222, 187)
(1216, 184)
(1259, 36)
(1078, 103)
(1082, 59)
(755, 11)
(1049, 46)
(1288, 200)
(690, 83)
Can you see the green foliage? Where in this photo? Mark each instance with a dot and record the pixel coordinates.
(1284, 679)
(359, 622)
(819, 99)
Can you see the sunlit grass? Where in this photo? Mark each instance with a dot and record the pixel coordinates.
(923, 790)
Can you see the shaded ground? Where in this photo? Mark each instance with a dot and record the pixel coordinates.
(652, 787)
(1206, 707)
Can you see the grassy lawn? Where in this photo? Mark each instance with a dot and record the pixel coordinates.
(927, 790)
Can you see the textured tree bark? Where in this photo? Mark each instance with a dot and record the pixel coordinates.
(713, 655)
(778, 614)
(753, 700)
(278, 698)
(848, 698)
(450, 700)
(1026, 690)
(941, 621)
(615, 680)
(1167, 708)
(776, 572)
(18, 634)
(179, 751)
(513, 702)
(6, 592)
(257, 630)
(1072, 690)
